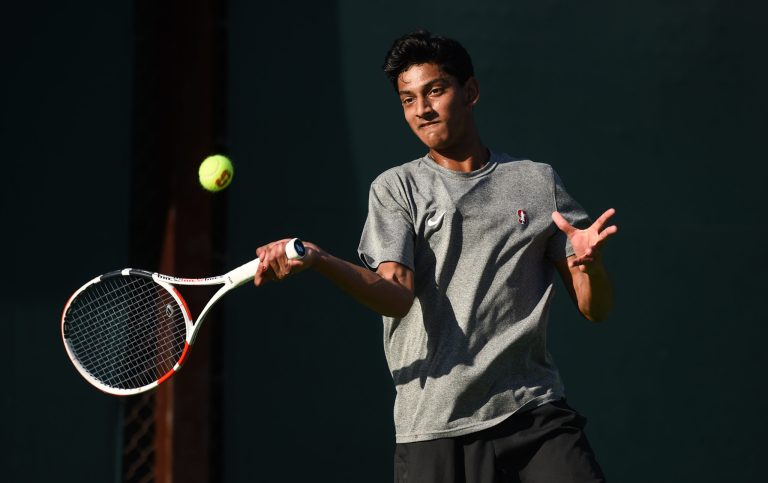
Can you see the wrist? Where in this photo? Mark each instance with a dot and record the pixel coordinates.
(595, 269)
(315, 258)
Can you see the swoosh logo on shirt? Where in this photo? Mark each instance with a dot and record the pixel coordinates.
(435, 220)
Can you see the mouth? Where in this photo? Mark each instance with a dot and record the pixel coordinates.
(427, 124)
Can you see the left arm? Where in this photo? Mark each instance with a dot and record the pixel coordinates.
(583, 273)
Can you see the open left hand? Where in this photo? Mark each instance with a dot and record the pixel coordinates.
(588, 242)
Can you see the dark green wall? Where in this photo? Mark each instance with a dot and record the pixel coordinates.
(303, 368)
(66, 118)
(655, 108)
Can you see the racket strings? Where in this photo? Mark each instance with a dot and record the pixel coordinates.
(126, 331)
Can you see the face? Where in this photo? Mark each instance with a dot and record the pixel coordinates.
(436, 107)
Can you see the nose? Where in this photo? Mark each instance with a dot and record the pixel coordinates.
(424, 108)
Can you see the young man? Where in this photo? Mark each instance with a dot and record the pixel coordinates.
(460, 249)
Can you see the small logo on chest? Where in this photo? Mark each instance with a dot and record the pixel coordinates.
(522, 217)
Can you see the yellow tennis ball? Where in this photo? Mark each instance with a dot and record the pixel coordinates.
(216, 172)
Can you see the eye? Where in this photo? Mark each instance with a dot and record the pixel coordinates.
(406, 100)
(436, 91)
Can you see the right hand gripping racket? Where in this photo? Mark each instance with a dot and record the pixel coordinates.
(129, 330)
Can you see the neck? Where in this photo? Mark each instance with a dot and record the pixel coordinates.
(466, 158)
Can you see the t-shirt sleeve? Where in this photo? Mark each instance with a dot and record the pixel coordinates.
(388, 234)
(559, 247)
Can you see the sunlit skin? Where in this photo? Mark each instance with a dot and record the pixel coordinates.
(584, 274)
(439, 110)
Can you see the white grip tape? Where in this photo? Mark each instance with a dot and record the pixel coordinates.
(244, 273)
(290, 250)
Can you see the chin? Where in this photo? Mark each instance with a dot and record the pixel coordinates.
(433, 143)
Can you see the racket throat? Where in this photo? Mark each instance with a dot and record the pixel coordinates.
(177, 366)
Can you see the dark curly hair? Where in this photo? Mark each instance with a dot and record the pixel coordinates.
(422, 47)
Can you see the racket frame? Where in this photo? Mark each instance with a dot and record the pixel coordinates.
(229, 281)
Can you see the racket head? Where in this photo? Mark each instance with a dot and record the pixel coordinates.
(126, 332)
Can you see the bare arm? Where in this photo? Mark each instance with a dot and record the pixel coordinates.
(592, 293)
(388, 291)
(584, 274)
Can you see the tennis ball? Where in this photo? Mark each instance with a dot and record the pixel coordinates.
(216, 172)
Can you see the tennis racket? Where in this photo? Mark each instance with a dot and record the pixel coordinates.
(130, 330)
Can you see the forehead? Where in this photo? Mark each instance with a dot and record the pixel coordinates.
(419, 75)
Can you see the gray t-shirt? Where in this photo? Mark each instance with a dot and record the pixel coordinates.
(472, 349)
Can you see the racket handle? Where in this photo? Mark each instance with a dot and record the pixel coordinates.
(243, 273)
(294, 250)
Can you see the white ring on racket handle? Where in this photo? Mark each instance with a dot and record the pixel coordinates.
(294, 249)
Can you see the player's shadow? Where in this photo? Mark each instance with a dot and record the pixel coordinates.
(447, 343)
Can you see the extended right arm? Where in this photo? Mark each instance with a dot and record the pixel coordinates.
(389, 291)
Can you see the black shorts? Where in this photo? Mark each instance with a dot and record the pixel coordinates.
(546, 444)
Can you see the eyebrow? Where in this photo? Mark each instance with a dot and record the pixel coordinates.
(426, 85)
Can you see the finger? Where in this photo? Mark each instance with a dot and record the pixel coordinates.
(562, 223)
(271, 257)
(603, 236)
(276, 260)
(273, 266)
(610, 231)
(257, 278)
(264, 260)
(263, 275)
(282, 263)
(598, 224)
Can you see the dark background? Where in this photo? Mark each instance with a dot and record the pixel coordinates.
(656, 108)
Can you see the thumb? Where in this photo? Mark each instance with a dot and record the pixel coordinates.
(562, 223)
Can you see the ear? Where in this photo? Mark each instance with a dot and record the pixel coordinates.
(471, 92)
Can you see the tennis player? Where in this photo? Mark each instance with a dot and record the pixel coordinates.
(459, 252)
